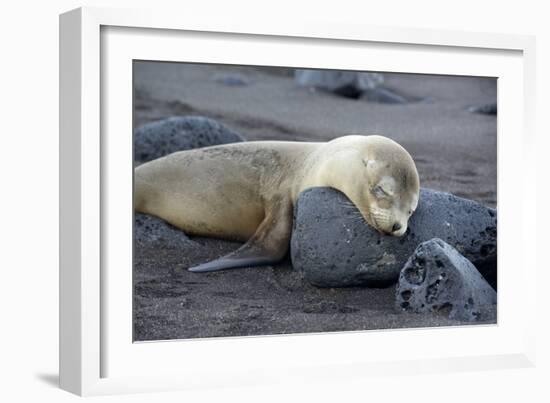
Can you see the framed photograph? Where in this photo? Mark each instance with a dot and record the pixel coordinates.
(245, 203)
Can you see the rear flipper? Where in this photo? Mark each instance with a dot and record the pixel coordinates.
(245, 256)
(269, 243)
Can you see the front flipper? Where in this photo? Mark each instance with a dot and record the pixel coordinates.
(269, 243)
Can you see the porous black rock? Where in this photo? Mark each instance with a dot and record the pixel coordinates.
(156, 139)
(437, 278)
(334, 247)
(153, 232)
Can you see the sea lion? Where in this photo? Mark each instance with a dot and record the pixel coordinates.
(246, 191)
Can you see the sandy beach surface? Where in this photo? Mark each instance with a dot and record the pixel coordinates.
(455, 151)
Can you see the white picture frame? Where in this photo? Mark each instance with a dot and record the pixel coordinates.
(96, 355)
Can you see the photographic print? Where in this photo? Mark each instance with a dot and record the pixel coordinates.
(275, 200)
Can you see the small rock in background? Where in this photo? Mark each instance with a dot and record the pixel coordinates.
(437, 278)
(152, 231)
(350, 84)
(232, 79)
(487, 109)
(334, 247)
(156, 139)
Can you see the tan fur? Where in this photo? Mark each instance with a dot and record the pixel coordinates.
(241, 190)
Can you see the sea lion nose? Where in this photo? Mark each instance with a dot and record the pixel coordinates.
(396, 227)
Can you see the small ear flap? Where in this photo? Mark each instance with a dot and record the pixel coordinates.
(368, 163)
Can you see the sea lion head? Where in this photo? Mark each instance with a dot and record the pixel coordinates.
(380, 178)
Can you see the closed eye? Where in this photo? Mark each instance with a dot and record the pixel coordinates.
(379, 192)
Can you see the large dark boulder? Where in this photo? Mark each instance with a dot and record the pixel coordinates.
(150, 231)
(156, 139)
(437, 278)
(333, 247)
